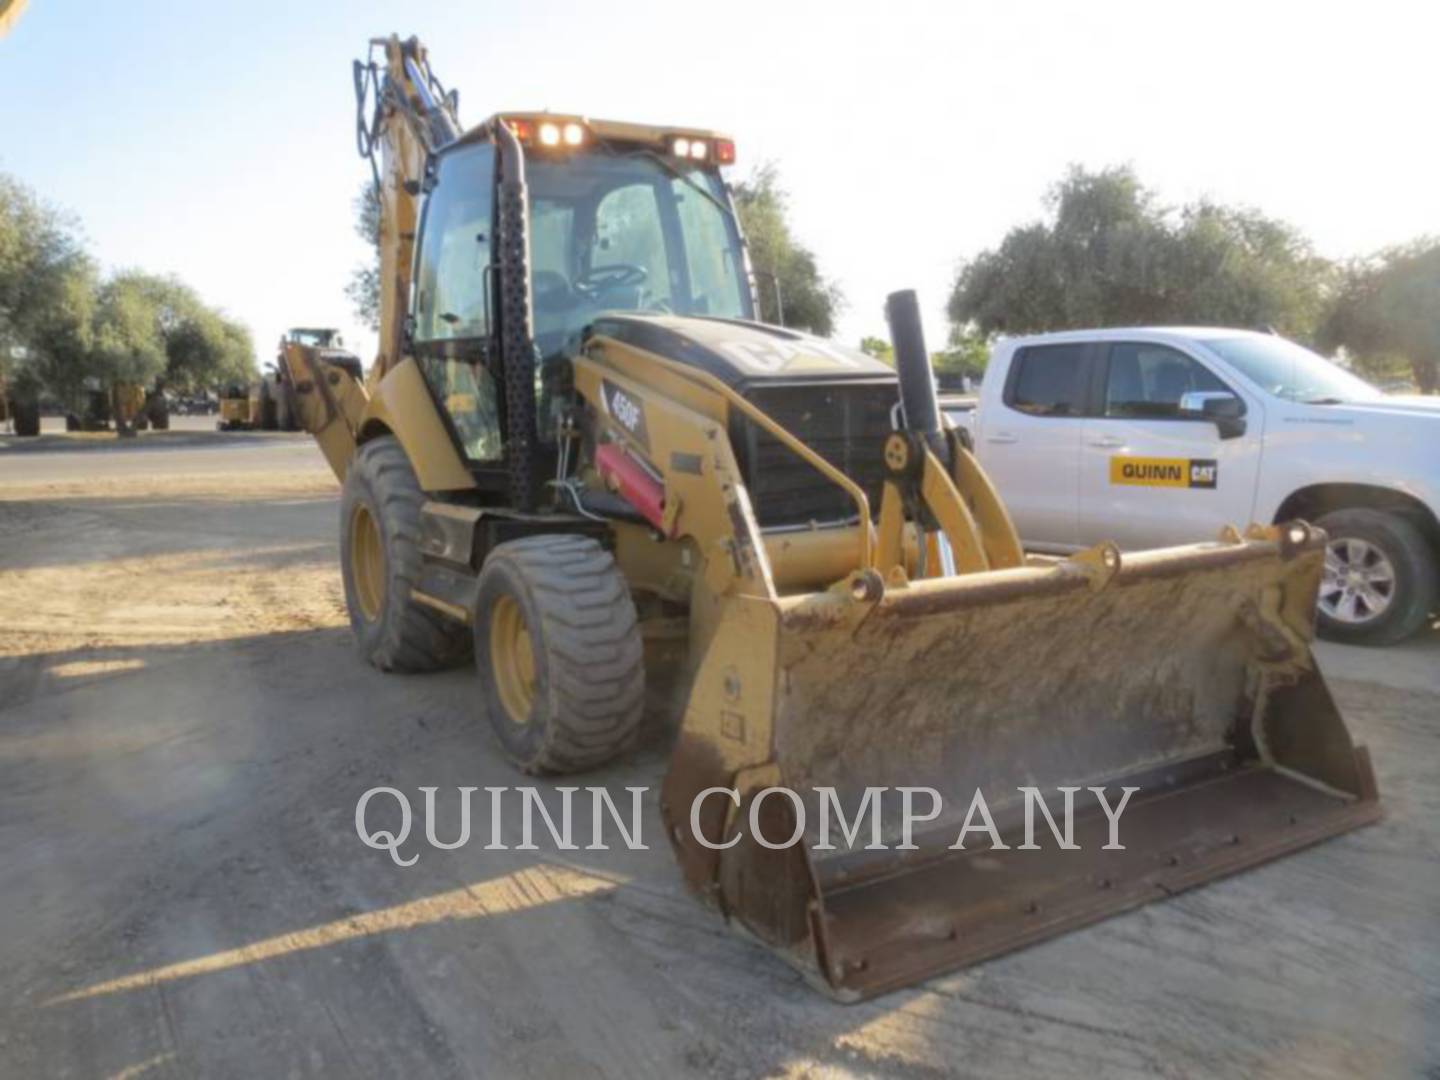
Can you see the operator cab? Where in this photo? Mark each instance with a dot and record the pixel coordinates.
(622, 219)
(318, 338)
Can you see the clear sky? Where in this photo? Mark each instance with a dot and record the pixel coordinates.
(215, 140)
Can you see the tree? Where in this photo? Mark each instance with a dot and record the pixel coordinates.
(70, 328)
(967, 354)
(879, 348)
(1387, 313)
(809, 300)
(128, 343)
(1110, 255)
(203, 347)
(46, 283)
(60, 347)
(363, 289)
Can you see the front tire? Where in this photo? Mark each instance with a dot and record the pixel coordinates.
(380, 562)
(25, 418)
(558, 648)
(1380, 582)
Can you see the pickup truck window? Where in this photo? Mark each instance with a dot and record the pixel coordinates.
(1048, 380)
(1147, 381)
(1291, 371)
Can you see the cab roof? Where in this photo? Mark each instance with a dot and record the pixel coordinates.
(1120, 333)
(657, 135)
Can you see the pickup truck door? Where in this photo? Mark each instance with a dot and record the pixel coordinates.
(1150, 476)
(1029, 441)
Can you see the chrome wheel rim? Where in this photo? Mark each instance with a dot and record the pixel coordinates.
(1358, 583)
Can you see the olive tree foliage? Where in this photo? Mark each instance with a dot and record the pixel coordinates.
(203, 347)
(1108, 254)
(128, 345)
(363, 288)
(1386, 314)
(46, 287)
(62, 326)
(150, 329)
(810, 301)
(965, 356)
(879, 348)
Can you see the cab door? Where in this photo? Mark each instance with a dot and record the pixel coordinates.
(450, 320)
(1152, 473)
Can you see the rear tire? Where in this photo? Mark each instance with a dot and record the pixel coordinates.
(558, 649)
(25, 416)
(1391, 563)
(380, 562)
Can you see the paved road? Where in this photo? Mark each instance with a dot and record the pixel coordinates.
(184, 734)
(174, 453)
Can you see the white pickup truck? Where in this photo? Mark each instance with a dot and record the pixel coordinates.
(1154, 437)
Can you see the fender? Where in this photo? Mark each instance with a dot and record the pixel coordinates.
(401, 404)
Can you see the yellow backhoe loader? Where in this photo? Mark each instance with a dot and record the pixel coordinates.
(579, 459)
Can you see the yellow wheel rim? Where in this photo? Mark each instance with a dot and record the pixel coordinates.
(367, 561)
(512, 659)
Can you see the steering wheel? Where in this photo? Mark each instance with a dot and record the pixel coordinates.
(609, 277)
(551, 291)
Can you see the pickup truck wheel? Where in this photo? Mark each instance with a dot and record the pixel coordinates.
(1380, 580)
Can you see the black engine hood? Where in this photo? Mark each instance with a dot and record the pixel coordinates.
(742, 353)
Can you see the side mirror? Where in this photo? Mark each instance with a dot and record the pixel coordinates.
(1219, 407)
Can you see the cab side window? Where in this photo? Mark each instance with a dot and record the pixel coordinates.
(1147, 381)
(709, 254)
(452, 312)
(1049, 380)
(453, 269)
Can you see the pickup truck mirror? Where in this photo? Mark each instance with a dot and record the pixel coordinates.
(1220, 407)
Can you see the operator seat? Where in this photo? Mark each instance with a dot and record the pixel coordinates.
(1172, 382)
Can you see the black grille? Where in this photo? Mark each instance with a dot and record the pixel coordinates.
(845, 424)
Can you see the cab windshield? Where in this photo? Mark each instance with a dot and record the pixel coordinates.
(628, 232)
(1291, 371)
(316, 338)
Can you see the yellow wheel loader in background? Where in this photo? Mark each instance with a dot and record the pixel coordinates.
(264, 405)
(128, 406)
(579, 459)
(234, 409)
(269, 404)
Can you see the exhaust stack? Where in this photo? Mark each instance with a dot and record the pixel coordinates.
(918, 403)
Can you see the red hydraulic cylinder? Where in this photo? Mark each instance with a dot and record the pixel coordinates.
(628, 478)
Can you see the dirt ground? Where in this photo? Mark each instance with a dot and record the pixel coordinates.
(185, 731)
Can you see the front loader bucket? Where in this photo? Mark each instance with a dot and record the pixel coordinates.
(1184, 673)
